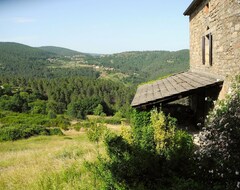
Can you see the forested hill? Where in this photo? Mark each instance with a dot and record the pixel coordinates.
(127, 67)
(61, 51)
(9, 51)
(25, 61)
(145, 65)
(19, 59)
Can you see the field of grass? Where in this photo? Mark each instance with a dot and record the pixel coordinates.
(47, 162)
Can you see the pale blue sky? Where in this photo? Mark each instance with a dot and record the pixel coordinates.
(96, 26)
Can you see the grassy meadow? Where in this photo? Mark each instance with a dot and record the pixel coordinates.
(47, 162)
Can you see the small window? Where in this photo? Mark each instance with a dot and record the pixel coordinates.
(207, 44)
(203, 50)
(206, 9)
(210, 49)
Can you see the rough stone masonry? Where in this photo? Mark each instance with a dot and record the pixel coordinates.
(221, 20)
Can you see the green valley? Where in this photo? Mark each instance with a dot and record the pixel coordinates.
(54, 62)
(58, 106)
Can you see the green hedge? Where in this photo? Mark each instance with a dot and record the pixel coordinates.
(15, 132)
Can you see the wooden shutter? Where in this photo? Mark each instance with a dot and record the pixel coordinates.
(203, 50)
(210, 50)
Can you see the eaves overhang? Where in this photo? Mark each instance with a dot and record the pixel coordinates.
(173, 88)
(192, 7)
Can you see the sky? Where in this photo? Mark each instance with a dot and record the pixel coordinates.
(96, 26)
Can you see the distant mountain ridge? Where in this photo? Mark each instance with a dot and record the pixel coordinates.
(61, 51)
(23, 50)
(145, 65)
(19, 60)
(51, 61)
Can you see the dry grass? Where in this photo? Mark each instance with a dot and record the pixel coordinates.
(42, 162)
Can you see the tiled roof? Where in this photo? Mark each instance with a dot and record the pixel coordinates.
(175, 85)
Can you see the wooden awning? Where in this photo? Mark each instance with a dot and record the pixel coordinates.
(172, 88)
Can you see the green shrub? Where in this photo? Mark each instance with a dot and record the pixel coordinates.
(60, 122)
(9, 133)
(55, 131)
(99, 110)
(95, 132)
(149, 156)
(25, 119)
(52, 115)
(2, 115)
(86, 124)
(38, 107)
(77, 126)
(19, 131)
(219, 155)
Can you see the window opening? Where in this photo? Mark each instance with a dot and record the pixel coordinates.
(207, 45)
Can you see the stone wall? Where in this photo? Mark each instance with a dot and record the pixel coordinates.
(222, 20)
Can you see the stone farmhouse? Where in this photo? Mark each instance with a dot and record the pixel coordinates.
(214, 60)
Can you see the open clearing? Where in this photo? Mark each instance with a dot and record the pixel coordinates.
(47, 162)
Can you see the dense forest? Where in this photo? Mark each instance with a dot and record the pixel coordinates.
(54, 62)
(25, 61)
(33, 106)
(63, 91)
(144, 66)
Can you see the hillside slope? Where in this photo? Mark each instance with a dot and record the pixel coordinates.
(145, 65)
(25, 61)
(60, 51)
(51, 62)
(19, 59)
(11, 50)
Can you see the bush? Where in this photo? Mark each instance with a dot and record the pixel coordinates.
(60, 122)
(112, 120)
(38, 107)
(219, 154)
(99, 110)
(95, 132)
(79, 109)
(15, 132)
(55, 131)
(23, 118)
(77, 126)
(52, 115)
(124, 112)
(148, 156)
